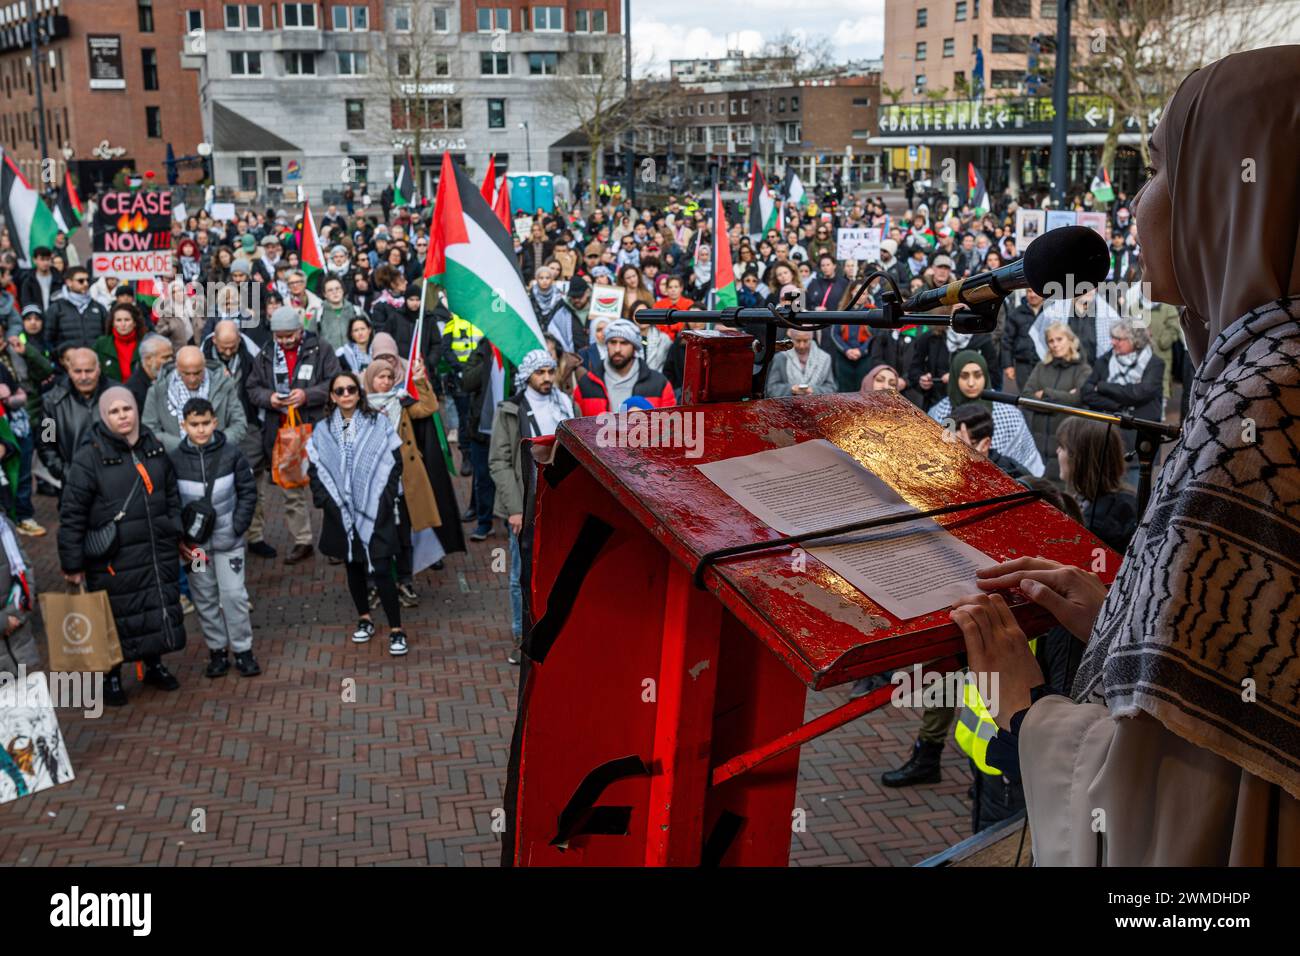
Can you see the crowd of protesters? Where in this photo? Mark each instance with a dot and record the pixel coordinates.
(157, 407)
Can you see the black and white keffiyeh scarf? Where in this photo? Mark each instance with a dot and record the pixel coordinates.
(1128, 369)
(1204, 606)
(280, 370)
(178, 393)
(354, 469)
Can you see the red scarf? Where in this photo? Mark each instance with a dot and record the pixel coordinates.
(125, 346)
(290, 363)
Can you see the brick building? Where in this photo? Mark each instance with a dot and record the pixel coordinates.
(114, 92)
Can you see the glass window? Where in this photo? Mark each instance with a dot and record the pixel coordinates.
(922, 16)
(598, 22)
(271, 172)
(920, 50)
(744, 106)
(252, 17)
(353, 63)
(543, 64)
(441, 21)
(300, 16)
(248, 174)
(149, 67)
(245, 63)
(402, 18)
(341, 20)
(961, 9)
(233, 19)
(581, 24)
(548, 19)
(355, 111)
(361, 18)
(1011, 8)
(591, 64)
(493, 18)
(441, 64)
(496, 110)
(949, 46)
(153, 121)
(403, 64)
(794, 104)
(300, 64)
(144, 10)
(494, 64)
(193, 20)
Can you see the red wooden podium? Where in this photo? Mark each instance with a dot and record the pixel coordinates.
(659, 723)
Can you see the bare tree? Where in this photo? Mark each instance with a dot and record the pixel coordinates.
(409, 78)
(1136, 52)
(591, 96)
(811, 53)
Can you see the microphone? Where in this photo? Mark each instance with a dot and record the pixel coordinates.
(1052, 259)
(1163, 429)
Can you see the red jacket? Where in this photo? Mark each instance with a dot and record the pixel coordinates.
(650, 385)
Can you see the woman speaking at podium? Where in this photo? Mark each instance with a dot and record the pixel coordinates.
(1181, 745)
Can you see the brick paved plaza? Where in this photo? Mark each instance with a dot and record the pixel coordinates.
(286, 773)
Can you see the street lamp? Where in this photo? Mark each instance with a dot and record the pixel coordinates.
(528, 142)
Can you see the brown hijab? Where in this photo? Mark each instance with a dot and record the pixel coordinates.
(1236, 238)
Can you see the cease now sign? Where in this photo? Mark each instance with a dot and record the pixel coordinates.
(132, 234)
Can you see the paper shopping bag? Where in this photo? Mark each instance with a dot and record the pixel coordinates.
(289, 455)
(32, 752)
(80, 630)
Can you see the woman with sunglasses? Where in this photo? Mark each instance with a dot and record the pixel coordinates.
(356, 480)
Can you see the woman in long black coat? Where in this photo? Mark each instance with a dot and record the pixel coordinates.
(122, 467)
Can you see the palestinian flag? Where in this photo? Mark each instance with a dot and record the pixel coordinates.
(792, 187)
(30, 222)
(502, 205)
(404, 184)
(147, 292)
(724, 276)
(976, 194)
(1102, 190)
(762, 207)
(490, 180)
(67, 209)
(472, 256)
(313, 262)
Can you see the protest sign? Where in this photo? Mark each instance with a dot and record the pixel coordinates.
(223, 211)
(1096, 221)
(1056, 218)
(860, 244)
(132, 234)
(606, 300)
(1029, 226)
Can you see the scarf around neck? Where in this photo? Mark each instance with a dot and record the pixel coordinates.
(355, 472)
(388, 404)
(178, 394)
(819, 364)
(1128, 369)
(80, 300)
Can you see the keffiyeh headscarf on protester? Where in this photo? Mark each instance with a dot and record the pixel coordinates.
(549, 408)
(1201, 606)
(355, 472)
(178, 393)
(628, 331)
(389, 403)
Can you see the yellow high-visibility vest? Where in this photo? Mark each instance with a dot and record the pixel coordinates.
(465, 337)
(975, 726)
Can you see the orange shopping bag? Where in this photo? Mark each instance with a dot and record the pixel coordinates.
(289, 455)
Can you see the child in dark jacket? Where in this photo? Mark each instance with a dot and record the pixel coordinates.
(218, 497)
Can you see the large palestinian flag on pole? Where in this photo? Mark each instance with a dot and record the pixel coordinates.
(762, 205)
(30, 222)
(724, 276)
(67, 210)
(313, 263)
(404, 184)
(976, 193)
(472, 256)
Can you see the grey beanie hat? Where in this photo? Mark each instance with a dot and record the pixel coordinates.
(286, 319)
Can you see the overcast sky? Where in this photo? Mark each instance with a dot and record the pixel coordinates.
(678, 29)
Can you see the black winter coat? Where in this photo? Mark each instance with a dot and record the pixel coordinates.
(1113, 517)
(1142, 400)
(66, 328)
(391, 527)
(220, 465)
(144, 584)
(317, 366)
(1060, 381)
(72, 416)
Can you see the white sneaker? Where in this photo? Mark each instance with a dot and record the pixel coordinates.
(364, 632)
(28, 526)
(397, 643)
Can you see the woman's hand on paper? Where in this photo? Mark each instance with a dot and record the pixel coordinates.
(996, 644)
(1072, 596)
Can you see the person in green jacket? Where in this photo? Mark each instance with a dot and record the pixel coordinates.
(336, 315)
(118, 348)
(1165, 331)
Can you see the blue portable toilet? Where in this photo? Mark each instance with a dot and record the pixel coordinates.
(543, 192)
(521, 193)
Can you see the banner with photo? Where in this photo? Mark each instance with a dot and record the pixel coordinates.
(1030, 224)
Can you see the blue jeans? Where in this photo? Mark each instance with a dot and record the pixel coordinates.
(485, 490)
(516, 592)
(23, 494)
(185, 581)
